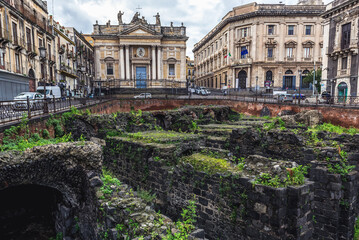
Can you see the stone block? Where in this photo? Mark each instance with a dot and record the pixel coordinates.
(260, 208)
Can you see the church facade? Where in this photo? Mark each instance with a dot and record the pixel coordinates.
(139, 54)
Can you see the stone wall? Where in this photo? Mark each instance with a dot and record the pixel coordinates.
(229, 206)
(67, 168)
(335, 203)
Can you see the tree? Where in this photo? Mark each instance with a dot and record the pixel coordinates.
(318, 77)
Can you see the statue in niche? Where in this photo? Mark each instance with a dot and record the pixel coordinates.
(158, 20)
(135, 18)
(119, 17)
(108, 23)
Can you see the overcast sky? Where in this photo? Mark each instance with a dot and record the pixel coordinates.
(199, 16)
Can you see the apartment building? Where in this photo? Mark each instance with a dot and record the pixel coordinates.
(262, 46)
(24, 29)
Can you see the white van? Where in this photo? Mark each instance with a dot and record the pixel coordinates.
(51, 91)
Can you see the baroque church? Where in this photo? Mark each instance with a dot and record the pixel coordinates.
(139, 54)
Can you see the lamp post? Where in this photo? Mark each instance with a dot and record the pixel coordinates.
(314, 79)
(300, 84)
(42, 51)
(256, 88)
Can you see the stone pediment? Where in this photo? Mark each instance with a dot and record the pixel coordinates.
(291, 44)
(139, 30)
(308, 43)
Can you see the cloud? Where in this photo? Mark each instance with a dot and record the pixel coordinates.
(199, 16)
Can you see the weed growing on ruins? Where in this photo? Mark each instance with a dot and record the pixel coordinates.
(185, 225)
(108, 180)
(146, 195)
(194, 127)
(328, 127)
(295, 176)
(268, 180)
(356, 229)
(59, 236)
(276, 123)
(342, 167)
(21, 143)
(208, 164)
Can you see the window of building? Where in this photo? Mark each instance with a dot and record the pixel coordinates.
(28, 39)
(308, 29)
(14, 33)
(344, 63)
(244, 52)
(289, 52)
(50, 73)
(17, 62)
(291, 30)
(270, 53)
(220, 42)
(109, 68)
(307, 52)
(244, 32)
(345, 41)
(225, 37)
(2, 58)
(189, 71)
(49, 51)
(270, 29)
(40, 42)
(171, 69)
(216, 46)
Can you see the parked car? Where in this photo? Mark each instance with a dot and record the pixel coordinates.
(296, 96)
(276, 94)
(35, 98)
(323, 98)
(199, 90)
(285, 98)
(204, 92)
(144, 95)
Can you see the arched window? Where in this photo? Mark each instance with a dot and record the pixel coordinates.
(305, 84)
(289, 72)
(305, 72)
(269, 79)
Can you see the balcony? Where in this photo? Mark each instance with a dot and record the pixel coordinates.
(19, 43)
(243, 61)
(290, 59)
(5, 36)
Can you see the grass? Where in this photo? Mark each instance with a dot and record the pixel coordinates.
(22, 143)
(161, 136)
(209, 164)
(146, 196)
(328, 127)
(356, 229)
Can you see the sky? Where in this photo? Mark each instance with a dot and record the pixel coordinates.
(199, 16)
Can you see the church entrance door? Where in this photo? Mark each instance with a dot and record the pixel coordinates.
(141, 76)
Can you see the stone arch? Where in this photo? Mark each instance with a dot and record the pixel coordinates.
(50, 168)
(31, 73)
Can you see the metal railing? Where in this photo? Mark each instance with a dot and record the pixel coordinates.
(15, 110)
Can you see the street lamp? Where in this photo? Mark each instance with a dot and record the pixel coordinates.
(42, 51)
(300, 84)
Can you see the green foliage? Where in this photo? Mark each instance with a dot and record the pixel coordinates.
(340, 168)
(185, 225)
(108, 180)
(356, 229)
(59, 236)
(276, 123)
(296, 176)
(328, 127)
(23, 143)
(318, 77)
(267, 180)
(194, 127)
(56, 123)
(45, 133)
(146, 195)
(209, 164)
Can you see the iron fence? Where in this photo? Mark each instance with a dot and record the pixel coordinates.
(12, 111)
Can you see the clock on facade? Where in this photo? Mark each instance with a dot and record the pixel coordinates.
(141, 52)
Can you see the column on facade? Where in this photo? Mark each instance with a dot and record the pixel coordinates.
(183, 66)
(127, 62)
(159, 62)
(122, 63)
(153, 62)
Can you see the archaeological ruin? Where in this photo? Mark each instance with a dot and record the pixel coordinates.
(203, 172)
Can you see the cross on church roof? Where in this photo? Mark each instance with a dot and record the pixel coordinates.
(139, 8)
